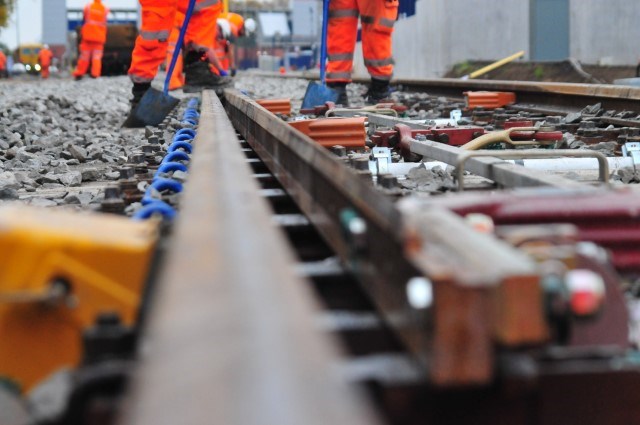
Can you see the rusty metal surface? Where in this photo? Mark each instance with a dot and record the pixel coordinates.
(232, 337)
(325, 189)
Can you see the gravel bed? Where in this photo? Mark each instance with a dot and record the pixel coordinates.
(60, 140)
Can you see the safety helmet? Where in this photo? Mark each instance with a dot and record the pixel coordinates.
(250, 26)
(224, 27)
(46, 46)
(235, 19)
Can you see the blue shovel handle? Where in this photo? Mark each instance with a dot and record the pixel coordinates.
(323, 41)
(176, 50)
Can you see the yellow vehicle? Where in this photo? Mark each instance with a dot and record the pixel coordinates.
(28, 56)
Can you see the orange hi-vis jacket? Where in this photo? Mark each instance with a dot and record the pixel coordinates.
(95, 22)
(44, 57)
(157, 21)
(377, 18)
(3, 61)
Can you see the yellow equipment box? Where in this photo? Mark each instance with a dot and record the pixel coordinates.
(58, 271)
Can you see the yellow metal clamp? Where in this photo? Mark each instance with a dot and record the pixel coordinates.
(58, 271)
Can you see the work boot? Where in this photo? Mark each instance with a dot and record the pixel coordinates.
(378, 91)
(341, 89)
(138, 90)
(198, 74)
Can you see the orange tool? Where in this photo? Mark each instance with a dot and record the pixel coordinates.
(276, 106)
(347, 132)
(489, 99)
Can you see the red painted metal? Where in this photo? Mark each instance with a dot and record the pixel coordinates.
(609, 218)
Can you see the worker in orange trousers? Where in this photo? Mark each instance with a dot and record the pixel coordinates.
(177, 80)
(158, 18)
(377, 18)
(44, 59)
(92, 38)
(230, 27)
(3, 65)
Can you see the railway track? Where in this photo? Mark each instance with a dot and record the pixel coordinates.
(298, 286)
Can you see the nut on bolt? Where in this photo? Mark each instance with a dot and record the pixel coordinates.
(112, 202)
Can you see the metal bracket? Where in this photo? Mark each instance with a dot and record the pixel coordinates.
(632, 149)
(381, 160)
(533, 153)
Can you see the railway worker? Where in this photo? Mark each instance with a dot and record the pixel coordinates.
(93, 35)
(230, 27)
(151, 45)
(377, 18)
(3, 65)
(44, 59)
(177, 77)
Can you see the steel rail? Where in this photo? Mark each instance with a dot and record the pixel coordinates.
(232, 330)
(373, 238)
(551, 96)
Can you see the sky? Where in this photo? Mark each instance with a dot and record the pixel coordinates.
(29, 18)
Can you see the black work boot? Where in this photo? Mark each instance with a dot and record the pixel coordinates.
(198, 74)
(341, 89)
(138, 90)
(378, 91)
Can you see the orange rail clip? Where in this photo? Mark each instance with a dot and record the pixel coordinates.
(328, 132)
(276, 106)
(489, 99)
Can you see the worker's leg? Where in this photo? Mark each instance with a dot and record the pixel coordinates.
(97, 50)
(341, 40)
(45, 72)
(83, 60)
(199, 39)
(201, 32)
(151, 44)
(378, 17)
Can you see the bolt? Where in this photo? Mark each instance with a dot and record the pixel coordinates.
(112, 202)
(420, 292)
(421, 137)
(127, 173)
(388, 181)
(360, 163)
(338, 150)
(153, 140)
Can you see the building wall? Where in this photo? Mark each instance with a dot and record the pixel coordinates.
(442, 33)
(445, 32)
(54, 22)
(605, 31)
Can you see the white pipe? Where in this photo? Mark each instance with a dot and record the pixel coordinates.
(573, 164)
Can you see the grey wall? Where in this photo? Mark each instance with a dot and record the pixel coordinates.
(54, 21)
(605, 31)
(445, 32)
(442, 33)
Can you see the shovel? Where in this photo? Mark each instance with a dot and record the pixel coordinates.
(155, 105)
(319, 93)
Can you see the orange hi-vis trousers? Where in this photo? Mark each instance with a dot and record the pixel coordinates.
(177, 78)
(377, 18)
(158, 18)
(90, 52)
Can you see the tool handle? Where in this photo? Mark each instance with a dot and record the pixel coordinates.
(323, 41)
(176, 50)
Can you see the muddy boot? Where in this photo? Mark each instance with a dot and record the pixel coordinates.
(198, 74)
(138, 90)
(341, 89)
(378, 91)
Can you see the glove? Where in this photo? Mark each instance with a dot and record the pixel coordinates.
(224, 73)
(233, 72)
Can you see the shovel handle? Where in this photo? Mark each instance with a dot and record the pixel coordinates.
(323, 41)
(176, 50)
